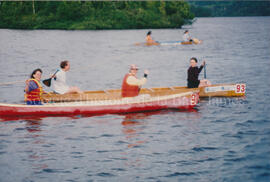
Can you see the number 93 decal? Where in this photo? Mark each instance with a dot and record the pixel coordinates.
(240, 88)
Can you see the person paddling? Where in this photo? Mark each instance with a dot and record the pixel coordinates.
(193, 75)
(59, 81)
(186, 37)
(33, 88)
(131, 85)
(149, 39)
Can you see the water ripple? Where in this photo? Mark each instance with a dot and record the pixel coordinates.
(103, 174)
(48, 170)
(200, 149)
(179, 174)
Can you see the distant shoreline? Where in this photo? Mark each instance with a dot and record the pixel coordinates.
(119, 15)
(182, 28)
(94, 15)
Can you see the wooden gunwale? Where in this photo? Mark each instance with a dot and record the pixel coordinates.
(113, 94)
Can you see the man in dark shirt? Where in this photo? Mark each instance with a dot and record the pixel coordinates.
(193, 75)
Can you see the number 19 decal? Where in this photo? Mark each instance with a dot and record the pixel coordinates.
(240, 88)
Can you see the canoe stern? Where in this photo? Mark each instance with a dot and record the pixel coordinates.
(224, 90)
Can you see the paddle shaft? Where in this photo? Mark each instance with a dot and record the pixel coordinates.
(204, 71)
(54, 73)
(10, 83)
(48, 81)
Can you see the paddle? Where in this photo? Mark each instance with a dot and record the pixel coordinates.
(196, 41)
(48, 81)
(11, 83)
(204, 71)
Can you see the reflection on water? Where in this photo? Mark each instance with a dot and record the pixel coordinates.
(136, 125)
(19, 118)
(36, 140)
(33, 125)
(133, 125)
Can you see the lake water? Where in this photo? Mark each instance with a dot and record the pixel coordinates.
(223, 139)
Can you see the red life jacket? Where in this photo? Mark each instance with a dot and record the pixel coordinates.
(129, 90)
(34, 95)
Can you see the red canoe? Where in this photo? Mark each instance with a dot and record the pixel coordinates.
(171, 99)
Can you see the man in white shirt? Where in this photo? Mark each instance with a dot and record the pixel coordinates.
(186, 36)
(59, 82)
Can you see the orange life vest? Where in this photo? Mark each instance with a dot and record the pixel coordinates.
(34, 95)
(129, 90)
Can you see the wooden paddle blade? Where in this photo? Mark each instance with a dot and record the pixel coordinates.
(196, 41)
(47, 82)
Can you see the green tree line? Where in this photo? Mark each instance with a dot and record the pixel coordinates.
(230, 8)
(81, 15)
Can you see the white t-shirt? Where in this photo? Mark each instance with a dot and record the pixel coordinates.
(186, 37)
(59, 85)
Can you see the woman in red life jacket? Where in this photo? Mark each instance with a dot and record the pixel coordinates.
(131, 84)
(33, 88)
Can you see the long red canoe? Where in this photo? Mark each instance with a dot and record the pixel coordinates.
(109, 105)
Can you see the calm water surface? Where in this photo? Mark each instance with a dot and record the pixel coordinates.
(221, 140)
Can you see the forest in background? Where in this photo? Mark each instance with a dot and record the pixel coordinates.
(229, 8)
(94, 15)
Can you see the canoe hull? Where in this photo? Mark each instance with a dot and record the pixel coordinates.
(147, 44)
(110, 101)
(168, 43)
(186, 43)
(186, 100)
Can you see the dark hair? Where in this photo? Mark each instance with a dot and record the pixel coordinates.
(34, 72)
(149, 33)
(186, 31)
(195, 59)
(63, 64)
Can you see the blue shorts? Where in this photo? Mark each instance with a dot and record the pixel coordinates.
(34, 102)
